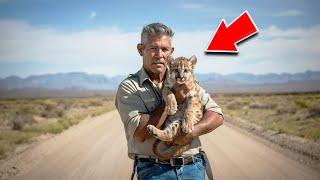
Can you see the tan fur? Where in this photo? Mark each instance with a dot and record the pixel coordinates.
(182, 118)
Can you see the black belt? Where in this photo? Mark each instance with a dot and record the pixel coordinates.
(175, 161)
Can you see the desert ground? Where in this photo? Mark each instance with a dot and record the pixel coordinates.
(96, 149)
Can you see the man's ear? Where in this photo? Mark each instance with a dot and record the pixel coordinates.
(140, 48)
(172, 49)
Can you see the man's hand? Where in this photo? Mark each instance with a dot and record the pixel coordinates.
(183, 139)
(181, 90)
(210, 121)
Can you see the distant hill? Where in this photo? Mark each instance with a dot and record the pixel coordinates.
(213, 82)
(59, 81)
(246, 78)
(245, 82)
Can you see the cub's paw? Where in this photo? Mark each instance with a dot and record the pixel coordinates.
(171, 107)
(150, 129)
(171, 104)
(187, 127)
(171, 110)
(153, 131)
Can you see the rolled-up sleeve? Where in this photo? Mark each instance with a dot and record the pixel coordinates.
(208, 103)
(130, 106)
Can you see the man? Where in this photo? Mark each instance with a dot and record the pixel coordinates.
(139, 103)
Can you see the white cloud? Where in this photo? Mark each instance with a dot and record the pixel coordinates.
(288, 13)
(111, 51)
(272, 50)
(92, 15)
(274, 32)
(106, 47)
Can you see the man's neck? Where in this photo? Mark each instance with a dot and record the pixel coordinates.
(156, 78)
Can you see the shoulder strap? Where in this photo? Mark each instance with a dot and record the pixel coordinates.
(134, 167)
(207, 164)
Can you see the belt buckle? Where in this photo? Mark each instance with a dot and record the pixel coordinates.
(180, 160)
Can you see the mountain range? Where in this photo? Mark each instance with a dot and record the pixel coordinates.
(305, 81)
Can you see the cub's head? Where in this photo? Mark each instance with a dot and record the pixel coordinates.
(181, 69)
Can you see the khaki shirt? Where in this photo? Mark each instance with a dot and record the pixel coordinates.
(136, 98)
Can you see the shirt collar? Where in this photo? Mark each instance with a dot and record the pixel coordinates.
(143, 76)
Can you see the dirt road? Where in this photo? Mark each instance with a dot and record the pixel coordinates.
(96, 149)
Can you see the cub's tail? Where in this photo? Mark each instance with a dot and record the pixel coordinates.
(165, 151)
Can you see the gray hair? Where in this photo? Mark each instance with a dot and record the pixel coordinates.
(155, 29)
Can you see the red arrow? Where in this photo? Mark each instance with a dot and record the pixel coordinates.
(226, 38)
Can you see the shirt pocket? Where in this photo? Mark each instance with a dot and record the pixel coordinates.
(150, 98)
(150, 102)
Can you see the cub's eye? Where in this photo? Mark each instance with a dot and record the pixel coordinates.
(176, 70)
(186, 70)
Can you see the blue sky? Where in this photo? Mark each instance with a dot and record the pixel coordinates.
(51, 36)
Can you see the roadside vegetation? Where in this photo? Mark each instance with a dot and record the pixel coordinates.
(296, 114)
(23, 119)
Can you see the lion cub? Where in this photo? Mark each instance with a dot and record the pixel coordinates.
(182, 117)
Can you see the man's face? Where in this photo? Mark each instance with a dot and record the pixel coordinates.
(155, 53)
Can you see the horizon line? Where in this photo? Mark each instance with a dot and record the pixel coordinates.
(88, 73)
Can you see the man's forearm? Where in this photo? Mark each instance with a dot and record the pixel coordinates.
(156, 118)
(210, 121)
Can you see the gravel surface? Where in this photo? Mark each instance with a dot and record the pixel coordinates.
(96, 149)
(300, 149)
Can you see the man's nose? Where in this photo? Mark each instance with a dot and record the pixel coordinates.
(159, 52)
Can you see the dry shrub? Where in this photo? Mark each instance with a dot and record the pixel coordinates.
(84, 106)
(66, 104)
(28, 109)
(108, 98)
(234, 106)
(3, 106)
(302, 114)
(286, 109)
(95, 103)
(49, 105)
(21, 120)
(314, 110)
(53, 113)
(237, 104)
(52, 109)
(258, 105)
(301, 104)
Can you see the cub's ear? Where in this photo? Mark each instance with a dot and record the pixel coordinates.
(193, 60)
